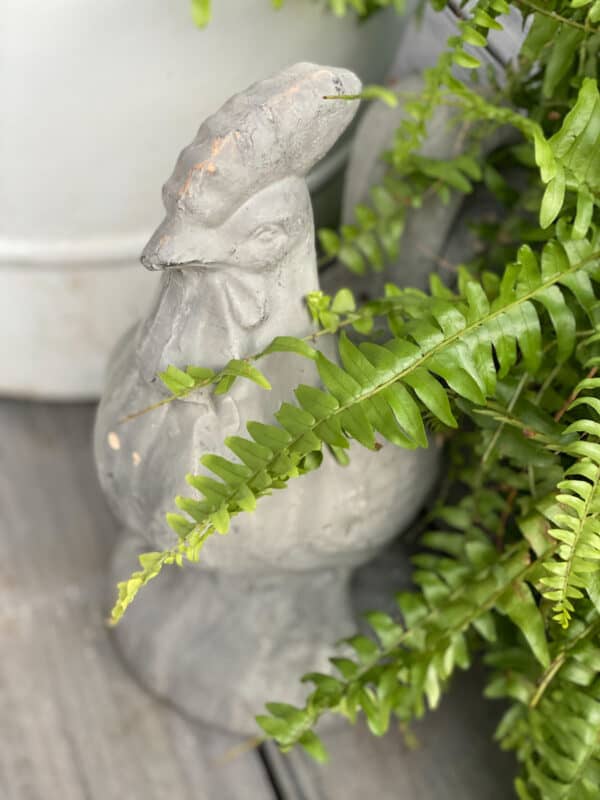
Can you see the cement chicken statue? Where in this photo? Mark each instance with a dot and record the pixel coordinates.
(267, 602)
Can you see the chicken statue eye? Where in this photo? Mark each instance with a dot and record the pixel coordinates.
(265, 233)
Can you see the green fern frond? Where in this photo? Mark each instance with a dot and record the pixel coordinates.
(565, 163)
(553, 724)
(577, 525)
(379, 390)
(562, 159)
(405, 667)
(564, 760)
(374, 238)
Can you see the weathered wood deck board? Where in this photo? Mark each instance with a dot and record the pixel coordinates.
(73, 724)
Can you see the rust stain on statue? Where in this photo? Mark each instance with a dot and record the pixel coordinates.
(208, 165)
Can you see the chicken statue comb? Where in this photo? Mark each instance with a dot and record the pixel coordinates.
(278, 127)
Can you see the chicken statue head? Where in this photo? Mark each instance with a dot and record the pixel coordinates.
(237, 197)
(237, 255)
(238, 234)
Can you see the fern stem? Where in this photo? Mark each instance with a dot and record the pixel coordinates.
(239, 750)
(165, 401)
(548, 381)
(531, 479)
(557, 17)
(558, 661)
(572, 396)
(547, 678)
(506, 513)
(513, 401)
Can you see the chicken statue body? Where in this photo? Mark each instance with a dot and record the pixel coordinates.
(268, 601)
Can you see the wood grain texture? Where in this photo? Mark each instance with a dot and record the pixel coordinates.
(73, 724)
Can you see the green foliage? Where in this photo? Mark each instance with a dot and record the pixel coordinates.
(553, 722)
(202, 9)
(404, 667)
(565, 160)
(201, 12)
(504, 365)
(577, 525)
(450, 345)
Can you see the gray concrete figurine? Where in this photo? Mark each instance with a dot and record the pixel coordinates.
(267, 602)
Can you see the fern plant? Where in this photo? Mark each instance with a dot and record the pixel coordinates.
(506, 362)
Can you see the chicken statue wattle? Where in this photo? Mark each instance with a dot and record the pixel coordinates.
(267, 602)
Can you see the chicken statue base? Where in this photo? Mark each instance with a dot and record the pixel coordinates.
(267, 602)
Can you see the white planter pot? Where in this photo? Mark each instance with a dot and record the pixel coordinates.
(96, 98)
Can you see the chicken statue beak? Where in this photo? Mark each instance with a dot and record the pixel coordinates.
(179, 245)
